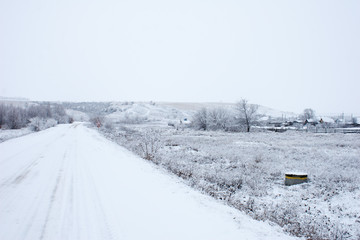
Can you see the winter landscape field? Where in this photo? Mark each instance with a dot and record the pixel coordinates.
(247, 171)
(191, 119)
(69, 182)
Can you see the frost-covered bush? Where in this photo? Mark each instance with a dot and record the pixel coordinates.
(37, 115)
(37, 124)
(219, 119)
(109, 126)
(97, 120)
(58, 113)
(148, 144)
(199, 120)
(213, 119)
(15, 118)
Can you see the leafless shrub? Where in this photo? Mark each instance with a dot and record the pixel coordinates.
(148, 144)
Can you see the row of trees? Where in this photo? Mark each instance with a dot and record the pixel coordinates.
(13, 117)
(242, 117)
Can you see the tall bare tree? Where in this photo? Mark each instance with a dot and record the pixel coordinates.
(247, 113)
(308, 114)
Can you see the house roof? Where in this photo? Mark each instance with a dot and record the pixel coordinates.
(327, 120)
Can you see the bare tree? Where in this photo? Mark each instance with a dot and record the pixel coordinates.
(247, 114)
(14, 118)
(308, 114)
(33, 111)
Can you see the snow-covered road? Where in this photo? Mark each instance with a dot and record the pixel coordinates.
(68, 182)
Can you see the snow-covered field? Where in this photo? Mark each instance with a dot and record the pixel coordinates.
(247, 171)
(69, 182)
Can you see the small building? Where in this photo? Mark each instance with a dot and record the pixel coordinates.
(326, 120)
(311, 121)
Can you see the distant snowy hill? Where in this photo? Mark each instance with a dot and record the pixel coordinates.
(276, 113)
(140, 111)
(13, 99)
(165, 111)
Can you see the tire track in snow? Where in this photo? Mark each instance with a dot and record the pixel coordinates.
(25, 172)
(20, 175)
(39, 143)
(105, 228)
(15, 188)
(75, 202)
(52, 199)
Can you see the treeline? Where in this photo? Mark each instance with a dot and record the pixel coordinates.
(37, 116)
(241, 118)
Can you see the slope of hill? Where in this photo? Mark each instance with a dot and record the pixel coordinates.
(141, 111)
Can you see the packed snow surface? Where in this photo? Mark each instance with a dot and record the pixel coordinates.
(68, 182)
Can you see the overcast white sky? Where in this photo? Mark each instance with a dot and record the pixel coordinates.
(288, 55)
